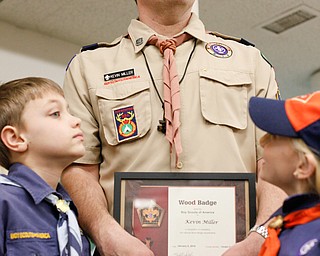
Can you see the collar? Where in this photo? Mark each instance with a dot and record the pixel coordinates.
(34, 184)
(297, 202)
(140, 33)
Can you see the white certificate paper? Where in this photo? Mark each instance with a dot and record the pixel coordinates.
(201, 220)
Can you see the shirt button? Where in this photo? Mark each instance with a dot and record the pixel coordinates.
(179, 165)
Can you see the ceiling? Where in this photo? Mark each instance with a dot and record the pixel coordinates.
(294, 53)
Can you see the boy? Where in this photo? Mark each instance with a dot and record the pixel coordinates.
(291, 161)
(39, 138)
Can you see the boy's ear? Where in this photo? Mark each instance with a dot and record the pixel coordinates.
(13, 140)
(307, 168)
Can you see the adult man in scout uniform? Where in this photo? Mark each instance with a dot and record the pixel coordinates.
(138, 115)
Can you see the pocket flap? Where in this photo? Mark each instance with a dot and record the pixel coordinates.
(227, 77)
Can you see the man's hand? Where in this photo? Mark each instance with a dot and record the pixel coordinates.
(82, 183)
(118, 242)
(248, 247)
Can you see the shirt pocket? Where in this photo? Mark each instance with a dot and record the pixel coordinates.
(130, 98)
(224, 97)
(36, 243)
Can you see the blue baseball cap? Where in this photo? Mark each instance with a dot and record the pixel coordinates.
(297, 117)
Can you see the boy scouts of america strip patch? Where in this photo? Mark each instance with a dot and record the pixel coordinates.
(219, 50)
(26, 235)
(125, 122)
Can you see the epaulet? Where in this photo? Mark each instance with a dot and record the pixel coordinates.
(237, 39)
(94, 46)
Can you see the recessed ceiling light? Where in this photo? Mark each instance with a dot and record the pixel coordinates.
(289, 21)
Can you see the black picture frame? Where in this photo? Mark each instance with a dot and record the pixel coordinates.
(128, 185)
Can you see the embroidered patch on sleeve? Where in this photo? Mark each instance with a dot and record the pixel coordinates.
(26, 235)
(125, 122)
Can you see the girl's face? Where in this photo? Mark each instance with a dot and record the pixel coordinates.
(280, 161)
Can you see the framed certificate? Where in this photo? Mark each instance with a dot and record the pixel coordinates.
(185, 213)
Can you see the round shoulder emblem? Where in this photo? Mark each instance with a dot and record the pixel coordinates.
(219, 50)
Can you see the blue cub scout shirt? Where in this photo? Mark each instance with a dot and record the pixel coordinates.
(300, 240)
(28, 223)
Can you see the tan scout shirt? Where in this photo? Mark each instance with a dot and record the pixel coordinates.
(110, 89)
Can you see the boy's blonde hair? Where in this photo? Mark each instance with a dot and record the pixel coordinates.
(302, 148)
(14, 95)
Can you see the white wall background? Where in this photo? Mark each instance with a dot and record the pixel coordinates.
(25, 53)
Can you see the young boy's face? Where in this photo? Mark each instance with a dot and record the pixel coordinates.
(52, 133)
(280, 160)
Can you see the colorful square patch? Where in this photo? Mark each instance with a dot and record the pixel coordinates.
(126, 123)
